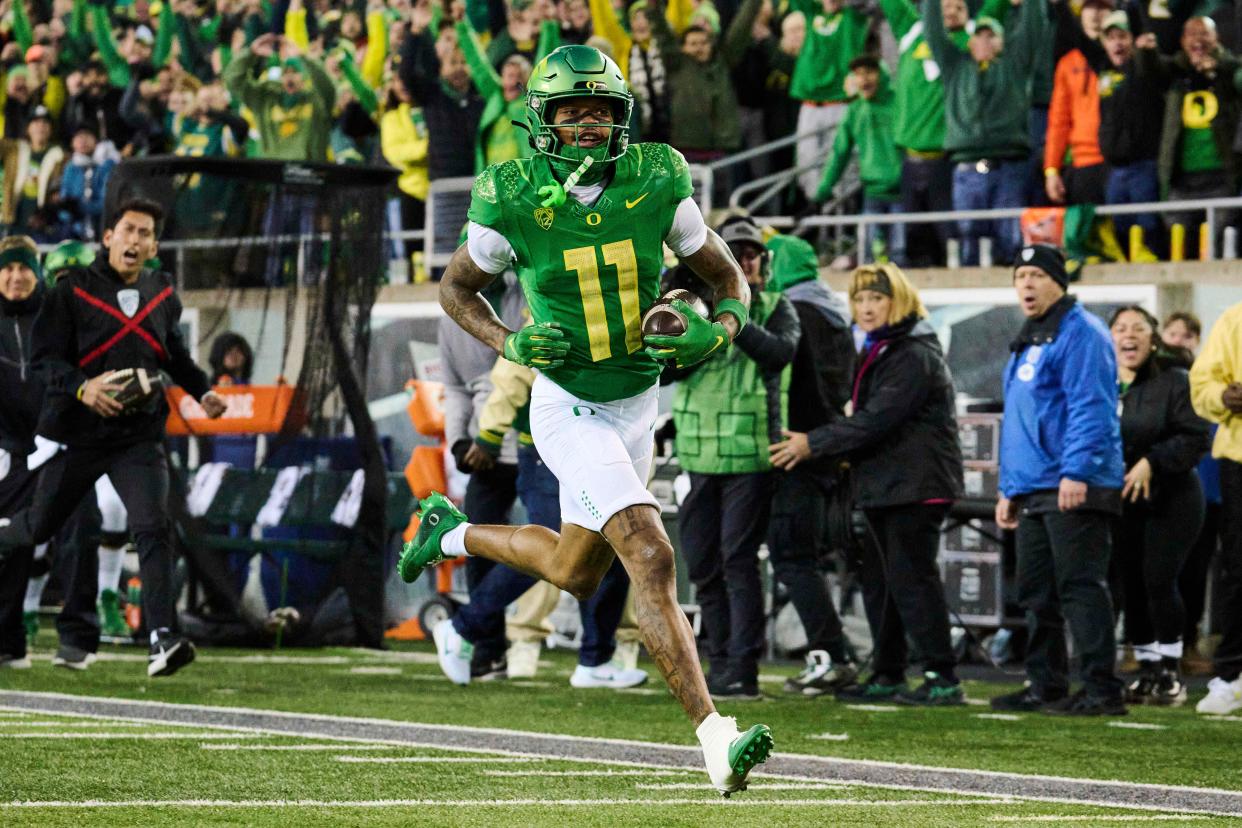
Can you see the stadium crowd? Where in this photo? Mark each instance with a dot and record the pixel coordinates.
(948, 105)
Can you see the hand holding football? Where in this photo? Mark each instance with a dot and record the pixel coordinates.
(662, 319)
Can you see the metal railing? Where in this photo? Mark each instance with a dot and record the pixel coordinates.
(1212, 208)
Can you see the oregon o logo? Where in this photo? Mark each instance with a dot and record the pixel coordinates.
(1199, 109)
(593, 219)
(593, 85)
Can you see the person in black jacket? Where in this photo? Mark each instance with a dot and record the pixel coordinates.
(21, 295)
(111, 315)
(435, 72)
(819, 387)
(1163, 440)
(902, 444)
(1130, 104)
(723, 409)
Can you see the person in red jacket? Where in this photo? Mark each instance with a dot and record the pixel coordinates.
(1074, 121)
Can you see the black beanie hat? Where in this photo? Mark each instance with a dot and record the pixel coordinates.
(1047, 258)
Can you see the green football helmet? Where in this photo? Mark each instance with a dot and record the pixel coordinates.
(575, 72)
(64, 255)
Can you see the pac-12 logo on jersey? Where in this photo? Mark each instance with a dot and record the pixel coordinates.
(128, 301)
(544, 216)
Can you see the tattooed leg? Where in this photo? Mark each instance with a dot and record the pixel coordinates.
(639, 538)
(575, 560)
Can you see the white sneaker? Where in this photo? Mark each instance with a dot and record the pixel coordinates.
(730, 755)
(454, 652)
(523, 658)
(626, 654)
(10, 663)
(611, 675)
(1223, 697)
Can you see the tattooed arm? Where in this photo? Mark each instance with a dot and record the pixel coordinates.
(461, 300)
(715, 265)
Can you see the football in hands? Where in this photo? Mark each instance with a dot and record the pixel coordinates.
(663, 319)
(138, 387)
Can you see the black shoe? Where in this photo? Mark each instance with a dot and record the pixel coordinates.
(1169, 690)
(1139, 691)
(1027, 700)
(1082, 704)
(874, 689)
(821, 675)
(72, 658)
(169, 654)
(736, 690)
(935, 691)
(497, 670)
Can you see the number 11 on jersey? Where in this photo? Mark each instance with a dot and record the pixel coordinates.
(583, 261)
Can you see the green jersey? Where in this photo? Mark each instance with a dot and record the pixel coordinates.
(593, 270)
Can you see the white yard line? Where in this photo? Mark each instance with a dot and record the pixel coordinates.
(830, 737)
(110, 736)
(999, 717)
(409, 760)
(646, 773)
(365, 670)
(860, 772)
(1099, 818)
(1138, 726)
(875, 708)
(70, 724)
(715, 801)
(337, 747)
(755, 788)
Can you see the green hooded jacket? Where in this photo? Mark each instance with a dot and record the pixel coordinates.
(290, 129)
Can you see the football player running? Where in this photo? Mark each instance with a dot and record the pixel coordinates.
(584, 222)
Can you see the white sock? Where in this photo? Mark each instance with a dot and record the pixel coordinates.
(453, 544)
(111, 559)
(1147, 652)
(34, 593)
(715, 727)
(1171, 650)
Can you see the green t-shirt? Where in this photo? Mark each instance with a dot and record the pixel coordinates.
(1198, 146)
(594, 269)
(504, 141)
(831, 43)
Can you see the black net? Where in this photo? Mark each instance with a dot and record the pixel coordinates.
(290, 258)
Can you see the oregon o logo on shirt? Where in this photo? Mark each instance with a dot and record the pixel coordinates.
(1199, 109)
(593, 219)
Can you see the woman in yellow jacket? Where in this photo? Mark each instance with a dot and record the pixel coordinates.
(403, 141)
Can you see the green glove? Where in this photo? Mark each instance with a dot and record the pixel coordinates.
(701, 339)
(542, 345)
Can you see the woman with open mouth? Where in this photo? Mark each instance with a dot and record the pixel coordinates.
(1163, 440)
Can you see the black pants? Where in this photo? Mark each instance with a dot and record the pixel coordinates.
(722, 524)
(1085, 185)
(490, 496)
(76, 566)
(16, 489)
(1192, 583)
(902, 590)
(1229, 652)
(1063, 576)
(1150, 544)
(797, 537)
(927, 186)
(140, 474)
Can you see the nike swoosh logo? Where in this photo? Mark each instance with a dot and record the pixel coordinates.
(630, 205)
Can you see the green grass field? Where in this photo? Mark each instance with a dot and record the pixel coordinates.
(157, 773)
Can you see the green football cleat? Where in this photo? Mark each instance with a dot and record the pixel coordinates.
(437, 515)
(749, 749)
(112, 624)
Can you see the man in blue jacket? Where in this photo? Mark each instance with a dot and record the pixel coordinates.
(1061, 472)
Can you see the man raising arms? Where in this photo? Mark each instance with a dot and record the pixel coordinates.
(584, 221)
